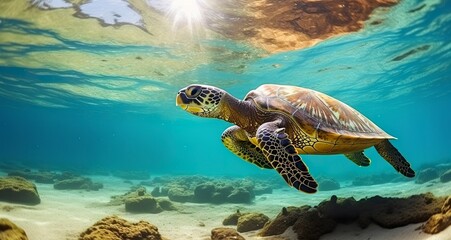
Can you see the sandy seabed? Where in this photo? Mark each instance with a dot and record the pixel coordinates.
(64, 214)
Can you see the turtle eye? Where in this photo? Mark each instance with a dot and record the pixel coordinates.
(193, 91)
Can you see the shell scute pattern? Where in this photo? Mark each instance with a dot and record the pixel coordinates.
(318, 115)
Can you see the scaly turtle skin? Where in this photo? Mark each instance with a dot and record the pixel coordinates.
(276, 123)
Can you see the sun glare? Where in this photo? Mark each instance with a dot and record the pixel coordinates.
(186, 12)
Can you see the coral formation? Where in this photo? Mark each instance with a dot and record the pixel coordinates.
(158, 191)
(311, 223)
(440, 221)
(165, 204)
(251, 221)
(246, 221)
(343, 210)
(137, 200)
(115, 228)
(239, 195)
(286, 218)
(204, 192)
(10, 231)
(142, 204)
(180, 194)
(398, 212)
(60, 181)
(18, 190)
(120, 199)
(225, 234)
(77, 183)
(209, 190)
(232, 219)
(39, 177)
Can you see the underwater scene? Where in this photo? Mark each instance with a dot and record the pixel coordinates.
(236, 119)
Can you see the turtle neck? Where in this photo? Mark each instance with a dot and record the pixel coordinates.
(238, 112)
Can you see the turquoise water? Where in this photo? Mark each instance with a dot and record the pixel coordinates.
(115, 108)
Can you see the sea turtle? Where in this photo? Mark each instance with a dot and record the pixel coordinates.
(276, 123)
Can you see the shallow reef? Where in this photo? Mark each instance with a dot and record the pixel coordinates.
(60, 181)
(309, 222)
(200, 189)
(301, 222)
(138, 200)
(222, 233)
(440, 171)
(312, 222)
(115, 228)
(10, 231)
(18, 190)
(440, 221)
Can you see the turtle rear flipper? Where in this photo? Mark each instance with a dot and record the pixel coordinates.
(358, 158)
(392, 155)
(235, 139)
(282, 155)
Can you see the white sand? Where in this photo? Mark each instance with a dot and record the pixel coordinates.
(63, 215)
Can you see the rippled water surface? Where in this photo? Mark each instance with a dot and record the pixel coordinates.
(93, 85)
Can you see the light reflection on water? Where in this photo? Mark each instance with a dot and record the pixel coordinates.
(70, 85)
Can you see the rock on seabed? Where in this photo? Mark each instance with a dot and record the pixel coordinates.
(311, 223)
(439, 221)
(18, 190)
(223, 233)
(10, 231)
(115, 228)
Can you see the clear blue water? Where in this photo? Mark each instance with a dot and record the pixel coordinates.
(101, 116)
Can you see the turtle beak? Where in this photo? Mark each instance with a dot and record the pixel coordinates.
(179, 102)
(186, 104)
(182, 100)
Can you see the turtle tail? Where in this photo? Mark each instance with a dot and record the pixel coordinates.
(394, 157)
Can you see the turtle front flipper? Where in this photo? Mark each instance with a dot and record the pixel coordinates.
(282, 155)
(358, 158)
(394, 157)
(235, 139)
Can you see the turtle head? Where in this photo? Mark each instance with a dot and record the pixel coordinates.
(200, 100)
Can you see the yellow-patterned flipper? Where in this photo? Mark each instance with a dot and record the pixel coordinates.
(358, 158)
(282, 155)
(235, 139)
